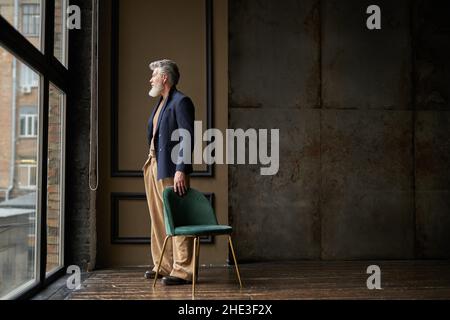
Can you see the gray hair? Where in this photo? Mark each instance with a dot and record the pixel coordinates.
(169, 68)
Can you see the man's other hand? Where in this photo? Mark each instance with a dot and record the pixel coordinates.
(179, 183)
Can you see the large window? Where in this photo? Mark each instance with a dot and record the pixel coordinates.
(33, 87)
(25, 17)
(18, 179)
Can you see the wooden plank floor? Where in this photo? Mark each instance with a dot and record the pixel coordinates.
(279, 281)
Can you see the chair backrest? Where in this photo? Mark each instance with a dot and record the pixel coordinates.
(191, 209)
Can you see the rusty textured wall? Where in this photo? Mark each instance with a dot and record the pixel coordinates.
(274, 70)
(431, 31)
(367, 128)
(364, 129)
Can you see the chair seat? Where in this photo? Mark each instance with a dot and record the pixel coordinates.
(203, 230)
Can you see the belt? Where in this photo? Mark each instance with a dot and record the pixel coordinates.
(151, 156)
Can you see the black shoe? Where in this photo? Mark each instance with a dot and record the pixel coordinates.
(174, 281)
(150, 274)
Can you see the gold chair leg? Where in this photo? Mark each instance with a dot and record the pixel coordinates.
(198, 258)
(194, 265)
(235, 262)
(160, 260)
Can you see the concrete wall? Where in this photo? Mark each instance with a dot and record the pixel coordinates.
(364, 129)
(80, 205)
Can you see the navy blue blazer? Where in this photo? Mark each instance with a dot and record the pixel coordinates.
(177, 113)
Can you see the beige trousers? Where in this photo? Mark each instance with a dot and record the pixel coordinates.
(177, 260)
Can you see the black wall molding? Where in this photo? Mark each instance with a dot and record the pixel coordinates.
(115, 214)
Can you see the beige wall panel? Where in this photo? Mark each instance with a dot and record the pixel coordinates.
(134, 219)
(147, 33)
(135, 107)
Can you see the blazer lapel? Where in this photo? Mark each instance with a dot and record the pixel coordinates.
(164, 107)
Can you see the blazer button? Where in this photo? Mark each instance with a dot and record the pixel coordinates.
(160, 149)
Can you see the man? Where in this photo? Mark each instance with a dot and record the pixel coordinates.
(173, 111)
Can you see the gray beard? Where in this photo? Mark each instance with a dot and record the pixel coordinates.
(155, 91)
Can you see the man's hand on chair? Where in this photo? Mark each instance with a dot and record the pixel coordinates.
(179, 183)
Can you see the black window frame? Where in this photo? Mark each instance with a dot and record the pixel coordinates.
(51, 71)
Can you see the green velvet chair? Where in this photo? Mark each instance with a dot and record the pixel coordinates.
(191, 215)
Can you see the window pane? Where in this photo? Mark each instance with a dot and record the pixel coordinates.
(29, 126)
(33, 176)
(35, 128)
(23, 176)
(54, 181)
(23, 126)
(61, 33)
(18, 202)
(28, 79)
(25, 16)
